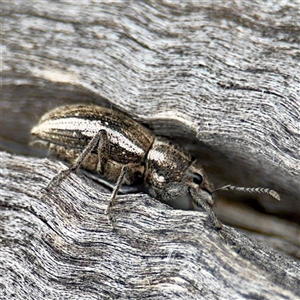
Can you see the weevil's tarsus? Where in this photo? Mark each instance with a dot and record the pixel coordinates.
(260, 190)
(56, 180)
(199, 201)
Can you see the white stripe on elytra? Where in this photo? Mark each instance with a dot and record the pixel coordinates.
(88, 128)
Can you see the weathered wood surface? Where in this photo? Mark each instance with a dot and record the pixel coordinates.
(59, 246)
(221, 78)
(225, 74)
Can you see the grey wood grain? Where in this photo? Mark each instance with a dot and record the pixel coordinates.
(225, 74)
(59, 245)
(220, 78)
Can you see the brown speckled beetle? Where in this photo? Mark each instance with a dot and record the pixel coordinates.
(123, 151)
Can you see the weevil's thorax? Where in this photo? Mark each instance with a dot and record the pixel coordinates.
(171, 172)
(165, 163)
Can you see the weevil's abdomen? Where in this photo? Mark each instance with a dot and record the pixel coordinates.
(72, 127)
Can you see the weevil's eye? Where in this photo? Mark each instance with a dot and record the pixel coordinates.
(197, 178)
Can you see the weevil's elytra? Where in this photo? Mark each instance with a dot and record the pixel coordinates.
(68, 130)
(72, 126)
(123, 151)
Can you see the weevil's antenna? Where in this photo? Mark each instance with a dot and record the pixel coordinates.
(249, 190)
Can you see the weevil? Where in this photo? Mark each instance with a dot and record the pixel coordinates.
(123, 151)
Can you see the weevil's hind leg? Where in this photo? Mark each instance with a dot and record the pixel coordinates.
(103, 151)
(216, 224)
(76, 165)
(112, 198)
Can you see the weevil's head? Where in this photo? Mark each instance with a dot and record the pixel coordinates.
(196, 179)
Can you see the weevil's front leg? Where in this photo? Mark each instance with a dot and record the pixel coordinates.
(176, 189)
(112, 198)
(100, 136)
(199, 201)
(170, 192)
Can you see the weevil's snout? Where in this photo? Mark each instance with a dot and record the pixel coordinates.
(196, 178)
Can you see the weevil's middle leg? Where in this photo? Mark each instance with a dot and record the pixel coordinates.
(114, 194)
(103, 151)
(102, 140)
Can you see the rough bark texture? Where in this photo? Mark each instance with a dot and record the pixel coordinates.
(219, 77)
(59, 245)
